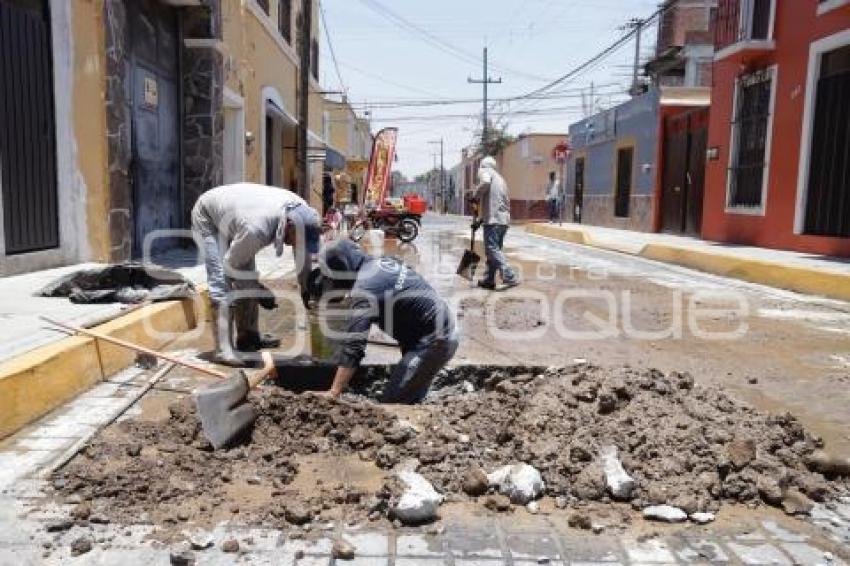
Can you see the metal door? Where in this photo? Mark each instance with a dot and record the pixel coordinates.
(623, 195)
(579, 190)
(155, 117)
(27, 139)
(683, 177)
(828, 201)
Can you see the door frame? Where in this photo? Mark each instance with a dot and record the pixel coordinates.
(234, 102)
(70, 181)
(816, 51)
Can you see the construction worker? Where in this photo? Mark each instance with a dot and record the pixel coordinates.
(386, 292)
(235, 222)
(494, 212)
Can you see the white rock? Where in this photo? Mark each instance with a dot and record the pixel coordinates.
(463, 439)
(620, 484)
(533, 508)
(666, 513)
(520, 482)
(468, 387)
(201, 541)
(702, 518)
(419, 502)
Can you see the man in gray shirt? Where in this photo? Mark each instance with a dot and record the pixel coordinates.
(234, 223)
(494, 213)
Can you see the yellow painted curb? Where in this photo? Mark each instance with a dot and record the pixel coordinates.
(572, 235)
(830, 284)
(35, 383)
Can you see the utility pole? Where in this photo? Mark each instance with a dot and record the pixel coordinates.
(306, 30)
(442, 176)
(637, 25)
(486, 81)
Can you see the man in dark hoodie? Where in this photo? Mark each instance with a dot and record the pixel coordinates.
(386, 292)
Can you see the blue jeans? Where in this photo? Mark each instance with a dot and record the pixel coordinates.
(412, 376)
(494, 241)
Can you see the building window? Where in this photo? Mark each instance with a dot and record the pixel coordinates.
(284, 19)
(314, 59)
(750, 135)
(623, 194)
(264, 4)
(828, 200)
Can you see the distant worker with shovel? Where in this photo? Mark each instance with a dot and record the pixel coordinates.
(386, 292)
(494, 212)
(235, 222)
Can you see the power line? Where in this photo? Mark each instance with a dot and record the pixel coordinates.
(331, 46)
(384, 11)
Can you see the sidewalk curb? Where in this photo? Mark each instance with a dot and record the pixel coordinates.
(36, 382)
(783, 276)
(801, 279)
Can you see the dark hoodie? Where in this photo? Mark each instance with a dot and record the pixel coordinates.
(386, 292)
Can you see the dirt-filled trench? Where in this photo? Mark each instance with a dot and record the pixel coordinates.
(310, 459)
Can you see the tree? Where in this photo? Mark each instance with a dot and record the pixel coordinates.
(498, 139)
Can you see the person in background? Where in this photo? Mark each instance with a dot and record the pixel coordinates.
(234, 222)
(552, 197)
(386, 292)
(494, 213)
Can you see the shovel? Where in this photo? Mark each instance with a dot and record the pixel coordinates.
(470, 260)
(223, 408)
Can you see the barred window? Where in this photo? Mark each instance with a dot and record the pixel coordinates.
(750, 134)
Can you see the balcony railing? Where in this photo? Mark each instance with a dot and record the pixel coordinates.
(741, 21)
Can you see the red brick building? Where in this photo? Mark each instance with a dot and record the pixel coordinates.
(778, 173)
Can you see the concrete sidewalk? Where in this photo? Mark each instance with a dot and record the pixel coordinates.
(794, 271)
(41, 368)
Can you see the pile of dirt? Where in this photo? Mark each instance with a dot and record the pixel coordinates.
(685, 445)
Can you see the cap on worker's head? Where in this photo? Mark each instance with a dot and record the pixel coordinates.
(306, 221)
(489, 162)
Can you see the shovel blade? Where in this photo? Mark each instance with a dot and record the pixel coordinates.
(224, 411)
(468, 264)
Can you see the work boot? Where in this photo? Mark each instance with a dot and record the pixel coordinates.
(489, 285)
(248, 337)
(222, 326)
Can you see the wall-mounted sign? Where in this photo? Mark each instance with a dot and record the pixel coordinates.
(713, 153)
(151, 92)
(561, 152)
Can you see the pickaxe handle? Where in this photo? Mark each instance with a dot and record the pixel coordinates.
(130, 346)
(268, 370)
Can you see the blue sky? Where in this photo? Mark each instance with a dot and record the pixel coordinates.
(382, 61)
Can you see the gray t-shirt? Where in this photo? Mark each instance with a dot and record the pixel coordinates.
(492, 193)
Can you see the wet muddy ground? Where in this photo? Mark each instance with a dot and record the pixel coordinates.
(793, 358)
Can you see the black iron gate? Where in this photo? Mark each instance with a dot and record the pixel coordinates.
(27, 141)
(828, 202)
(579, 190)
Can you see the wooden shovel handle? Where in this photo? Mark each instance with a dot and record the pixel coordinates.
(135, 347)
(268, 370)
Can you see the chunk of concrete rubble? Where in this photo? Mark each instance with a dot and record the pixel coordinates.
(419, 502)
(795, 503)
(475, 482)
(520, 482)
(201, 541)
(665, 513)
(702, 518)
(620, 484)
(343, 550)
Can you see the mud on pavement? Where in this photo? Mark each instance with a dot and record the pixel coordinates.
(310, 459)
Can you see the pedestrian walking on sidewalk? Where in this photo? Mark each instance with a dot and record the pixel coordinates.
(552, 197)
(494, 212)
(234, 222)
(386, 292)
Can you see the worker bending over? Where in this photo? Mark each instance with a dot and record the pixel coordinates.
(235, 222)
(386, 292)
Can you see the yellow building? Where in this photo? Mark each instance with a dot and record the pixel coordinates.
(349, 142)
(141, 106)
(526, 164)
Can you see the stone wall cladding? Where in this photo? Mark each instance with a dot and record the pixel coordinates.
(203, 105)
(599, 211)
(119, 155)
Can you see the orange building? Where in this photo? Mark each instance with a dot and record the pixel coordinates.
(778, 172)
